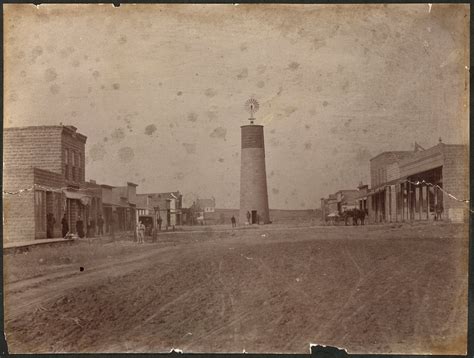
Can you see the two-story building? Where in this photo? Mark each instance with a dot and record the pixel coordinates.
(44, 180)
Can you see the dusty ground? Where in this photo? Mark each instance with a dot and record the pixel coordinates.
(390, 289)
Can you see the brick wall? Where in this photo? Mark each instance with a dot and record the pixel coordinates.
(393, 171)
(18, 209)
(44, 147)
(19, 217)
(456, 181)
(382, 167)
(33, 146)
(41, 147)
(252, 136)
(253, 184)
(48, 179)
(17, 178)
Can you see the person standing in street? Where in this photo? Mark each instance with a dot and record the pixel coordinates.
(160, 221)
(232, 219)
(141, 233)
(154, 233)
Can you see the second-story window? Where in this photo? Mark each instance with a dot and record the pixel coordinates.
(73, 164)
(79, 167)
(66, 163)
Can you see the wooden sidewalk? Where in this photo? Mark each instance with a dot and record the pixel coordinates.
(25, 245)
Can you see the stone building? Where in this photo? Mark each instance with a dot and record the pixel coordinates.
(420, 184)
(44, 173)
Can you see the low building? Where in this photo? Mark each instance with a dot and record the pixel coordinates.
(126, 211)
(346, 200)
(205, 209)
(44, 171)
(423, 184)
(338, 202)
(168, 206)
(207, 205)
(119, 207)
(328, 207)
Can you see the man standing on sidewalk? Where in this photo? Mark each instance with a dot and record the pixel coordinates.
(65, 225)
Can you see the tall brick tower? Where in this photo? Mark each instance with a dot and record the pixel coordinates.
(253, 177)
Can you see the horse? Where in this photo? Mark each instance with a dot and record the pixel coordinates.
(355, 214)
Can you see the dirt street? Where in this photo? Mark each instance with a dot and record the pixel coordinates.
(373, 289)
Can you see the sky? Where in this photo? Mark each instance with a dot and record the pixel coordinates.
(159, 90)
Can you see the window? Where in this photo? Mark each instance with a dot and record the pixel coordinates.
(66, 163)
(79, 166)
(73, 163)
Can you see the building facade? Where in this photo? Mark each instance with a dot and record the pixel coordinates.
(362, 204)
(44, 171)
(335, 204)
(119, 207)
(420, 185)
(167, 206)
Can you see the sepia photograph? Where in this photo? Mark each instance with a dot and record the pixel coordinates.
(233, 178)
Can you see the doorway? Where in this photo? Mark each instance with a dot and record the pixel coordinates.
(254, 216)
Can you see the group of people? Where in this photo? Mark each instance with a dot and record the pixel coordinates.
(79, 226)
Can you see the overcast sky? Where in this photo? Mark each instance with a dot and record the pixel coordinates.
(159, 90)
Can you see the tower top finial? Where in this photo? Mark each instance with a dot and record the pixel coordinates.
(252, 106)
